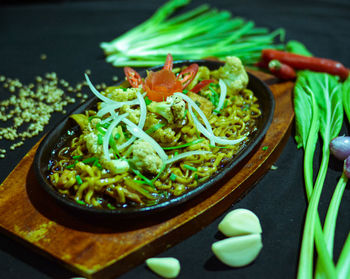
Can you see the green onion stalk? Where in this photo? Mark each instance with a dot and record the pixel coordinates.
(199, 33)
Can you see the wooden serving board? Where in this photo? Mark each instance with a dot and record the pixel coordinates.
(101, 249)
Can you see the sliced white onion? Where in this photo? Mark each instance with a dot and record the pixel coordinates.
(108, 119)
(94, 90)
(223, 92)
(198, 110)
(139, 133)
(200, 127)
(206, 131)
(107, 108)
(186, 154)
(106, 99)
(224, 141)
(108, 134)
(142, 120)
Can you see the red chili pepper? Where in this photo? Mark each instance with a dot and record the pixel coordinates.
(187, 75)
(282, 71)
(306, 63)
(133, 77)
(168, 65)
(199, 86)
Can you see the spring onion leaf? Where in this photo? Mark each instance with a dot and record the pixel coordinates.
(144, 178)
(99, 139)
(78, 157)
(90, 160)
(159, 173)
(198, 33)
(190, 167)
(183, 145)
(70, 166)
(154, 128)
(147, 100)
(172, 177)
(79, 180)
(80, 202)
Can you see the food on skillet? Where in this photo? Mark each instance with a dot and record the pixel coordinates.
(157, 139)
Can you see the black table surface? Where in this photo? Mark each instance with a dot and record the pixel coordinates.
(69, 33)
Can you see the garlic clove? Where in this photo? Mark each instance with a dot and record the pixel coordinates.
(165, 267)
(238, 251)
(240, 222)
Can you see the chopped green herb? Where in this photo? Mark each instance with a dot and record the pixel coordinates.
(166, 194)
(246, 107)
(140, 181)
(117, 136)
(114, 147)
(144, 178)
(197, 103)
(196, 177)
(214, 97)
(90, 160)
(190, 167)
(80, 202)
(159, 173)
(78, 157)
(70, 166)
(185, 91)
(105, 125)
(154, 128)
(92, 117)
(78, 178)
(101, 130)
(147, 101)
(99, 139)
(172, 177)
(97, 164)
(217, 111)
(225, 104)
(186, 110)
(183, 145)
(213, 146)
(110, 206)
(265, 148)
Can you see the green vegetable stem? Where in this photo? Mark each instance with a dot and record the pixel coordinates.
(195, 34)
(318, 107)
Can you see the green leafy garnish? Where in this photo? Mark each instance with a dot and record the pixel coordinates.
(99, 139)
(78, 157)
(154, 128)
(147, 100)
(172, 177)
(183, 145)
(78, 179)
(190, 167)
(80, 202)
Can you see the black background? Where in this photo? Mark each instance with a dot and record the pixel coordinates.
(69, 34)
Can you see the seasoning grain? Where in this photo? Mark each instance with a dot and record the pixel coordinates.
(29, 108)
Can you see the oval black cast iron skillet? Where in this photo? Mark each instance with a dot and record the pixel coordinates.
(57, 136)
